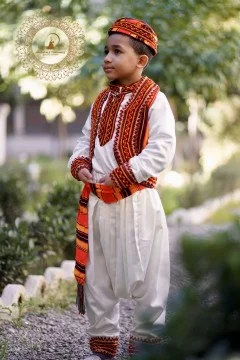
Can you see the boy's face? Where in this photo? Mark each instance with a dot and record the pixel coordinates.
(121, 62)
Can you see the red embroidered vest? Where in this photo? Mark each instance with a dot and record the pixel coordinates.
(132, 129)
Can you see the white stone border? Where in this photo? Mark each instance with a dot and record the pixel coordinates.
(35, 285)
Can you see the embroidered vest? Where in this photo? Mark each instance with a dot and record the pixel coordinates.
(132, 128)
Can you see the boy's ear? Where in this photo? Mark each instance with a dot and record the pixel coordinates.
(142, 61)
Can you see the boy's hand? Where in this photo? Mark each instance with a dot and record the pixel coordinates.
(85, 176)
(106, 180)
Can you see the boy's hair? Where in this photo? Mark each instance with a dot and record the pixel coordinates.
(140, 48)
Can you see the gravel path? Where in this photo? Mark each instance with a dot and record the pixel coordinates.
(56, 336)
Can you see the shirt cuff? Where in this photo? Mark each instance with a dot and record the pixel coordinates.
(78, 164)
(123, 176)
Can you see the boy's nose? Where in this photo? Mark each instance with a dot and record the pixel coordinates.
(107, 58)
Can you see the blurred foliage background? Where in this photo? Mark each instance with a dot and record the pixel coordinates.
(198, 68)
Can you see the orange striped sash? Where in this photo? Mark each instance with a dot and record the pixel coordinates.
(109, 195)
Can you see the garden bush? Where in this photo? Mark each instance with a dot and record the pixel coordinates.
(16, 253)
(53, 233)
(52, 170)
(188, 196)
(170, 198)
(226, 178)
(13, 193)
(52, 236)
(205, 320)
(19, 192)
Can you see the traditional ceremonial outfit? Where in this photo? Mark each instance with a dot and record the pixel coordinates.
(122, 248)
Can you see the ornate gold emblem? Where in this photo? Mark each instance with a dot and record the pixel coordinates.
(50, 46)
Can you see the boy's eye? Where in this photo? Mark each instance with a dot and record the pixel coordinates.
(106, 51)
(116, 51)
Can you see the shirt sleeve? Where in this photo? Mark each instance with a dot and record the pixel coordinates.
(80, 157)
(159, 150)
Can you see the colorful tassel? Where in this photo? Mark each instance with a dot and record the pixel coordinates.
(80, 299)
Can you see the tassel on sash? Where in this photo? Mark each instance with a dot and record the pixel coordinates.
(80, 302)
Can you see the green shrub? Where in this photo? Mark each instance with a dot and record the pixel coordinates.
(51, 171)
(19, 192)
(225, 214)
(226, 178)
(12, 193)
(189, 196)
(205, 320)
(170, 198)
(54, 170)
(54, 231)
(194, 194)
(15, 253)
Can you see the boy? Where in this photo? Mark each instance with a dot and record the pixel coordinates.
(122, 246)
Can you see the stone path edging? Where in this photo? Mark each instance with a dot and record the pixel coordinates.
(35, 285)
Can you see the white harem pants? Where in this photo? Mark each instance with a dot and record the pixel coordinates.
(128, 258)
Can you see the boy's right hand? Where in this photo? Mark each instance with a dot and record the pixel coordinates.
(85, 176)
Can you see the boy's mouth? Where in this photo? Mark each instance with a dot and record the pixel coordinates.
(108, 68)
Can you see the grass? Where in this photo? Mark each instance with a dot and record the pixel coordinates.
(224, 215)
(58, 299)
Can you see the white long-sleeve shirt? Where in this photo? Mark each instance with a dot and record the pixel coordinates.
(157, 154)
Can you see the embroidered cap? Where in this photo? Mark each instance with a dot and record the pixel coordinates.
(138, 30)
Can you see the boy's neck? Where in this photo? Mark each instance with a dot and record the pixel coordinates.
(127, 82)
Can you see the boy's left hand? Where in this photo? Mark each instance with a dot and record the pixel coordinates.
(106, 180)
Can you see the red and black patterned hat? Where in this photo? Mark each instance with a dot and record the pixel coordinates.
(137, 29)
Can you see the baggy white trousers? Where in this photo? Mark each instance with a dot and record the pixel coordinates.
(128, 258)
